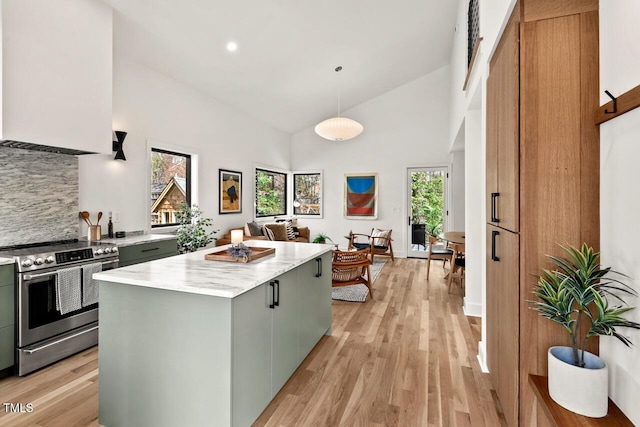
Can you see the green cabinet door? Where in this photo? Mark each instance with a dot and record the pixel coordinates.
(314, 303)
(251, 361)
(7, 316)
(285, 329)
(143, 252)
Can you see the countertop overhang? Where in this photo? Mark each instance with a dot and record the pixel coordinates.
(191, 273)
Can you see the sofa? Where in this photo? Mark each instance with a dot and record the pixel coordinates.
(226, 238)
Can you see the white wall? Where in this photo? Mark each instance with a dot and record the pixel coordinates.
(619, 197)
(406, 127)
(474, 225)
(152, 107)
(457, 181)
(468, 118)
(56, 73)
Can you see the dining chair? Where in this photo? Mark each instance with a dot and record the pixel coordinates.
(378, 242)
(351, 268)
(457, 264)
(437, 251)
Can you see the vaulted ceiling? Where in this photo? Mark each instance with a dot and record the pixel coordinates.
(283, 70)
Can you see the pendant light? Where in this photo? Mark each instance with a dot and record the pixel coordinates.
(339, 128)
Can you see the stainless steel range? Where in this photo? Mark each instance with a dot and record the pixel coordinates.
(56, 299)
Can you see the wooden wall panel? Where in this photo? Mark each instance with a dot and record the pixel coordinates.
(555, 162)
(535, 10)
(590, 137)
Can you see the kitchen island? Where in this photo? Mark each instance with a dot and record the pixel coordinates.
(186, 341)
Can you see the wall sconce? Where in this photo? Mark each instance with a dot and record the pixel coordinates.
(118, 140)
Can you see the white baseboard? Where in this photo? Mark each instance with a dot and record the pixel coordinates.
(471, 309)
(482, 357)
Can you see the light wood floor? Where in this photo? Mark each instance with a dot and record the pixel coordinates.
(405, 358)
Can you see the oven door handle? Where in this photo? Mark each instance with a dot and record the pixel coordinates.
(51, 273)
(30, 351)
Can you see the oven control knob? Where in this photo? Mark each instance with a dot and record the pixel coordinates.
(49, 259)
(27, 263)
(39, 261)
(107, 250)
(99, 252)
(114, 249)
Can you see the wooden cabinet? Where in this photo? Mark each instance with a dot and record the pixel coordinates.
(189, 359)
(542, 159)
(7, 317)
(503, 294)
(143, 252)
(503, 139)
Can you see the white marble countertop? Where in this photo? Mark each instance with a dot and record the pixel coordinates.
(6, 261)
(137, 239)
(193, 274)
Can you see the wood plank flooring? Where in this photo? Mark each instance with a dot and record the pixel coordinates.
(405, 358)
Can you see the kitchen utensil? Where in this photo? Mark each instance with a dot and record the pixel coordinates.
(94, 232)
(85, 215)
(99, 217)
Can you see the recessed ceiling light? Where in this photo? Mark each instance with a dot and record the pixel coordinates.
(232, 46)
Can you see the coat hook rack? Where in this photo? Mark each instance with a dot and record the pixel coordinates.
(615, 103)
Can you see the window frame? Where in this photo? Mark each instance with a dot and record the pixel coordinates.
(320, 194)
(188, 184)
(275, 171)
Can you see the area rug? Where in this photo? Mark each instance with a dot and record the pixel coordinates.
(359, 292)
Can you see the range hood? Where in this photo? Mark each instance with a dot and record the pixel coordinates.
(46, 148)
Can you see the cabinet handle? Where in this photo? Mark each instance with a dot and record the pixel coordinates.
(494, 196)
(494, 233)
(319, 261)
(150, 250)
(277, 300)
(273, 295)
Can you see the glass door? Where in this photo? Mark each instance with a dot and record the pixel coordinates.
(427, 207)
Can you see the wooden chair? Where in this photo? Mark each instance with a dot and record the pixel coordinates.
(437, 252)
(351, 268)
(457, 264)
(377, 243)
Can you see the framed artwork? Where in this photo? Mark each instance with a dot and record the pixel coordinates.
(230, 192)
(361, 196)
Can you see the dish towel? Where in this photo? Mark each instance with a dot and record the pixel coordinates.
(68, 290)
(90, 290)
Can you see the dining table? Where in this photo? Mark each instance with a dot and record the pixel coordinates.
(454, 236)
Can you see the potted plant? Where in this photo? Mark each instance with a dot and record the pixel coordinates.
(574, 295)
(192, 232)
(322, 238)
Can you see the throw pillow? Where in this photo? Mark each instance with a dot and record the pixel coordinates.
(381, 233)
(247, 232)
(279, 231)
(296, 232)
(267, 232)
(254, 229)
(291, 235)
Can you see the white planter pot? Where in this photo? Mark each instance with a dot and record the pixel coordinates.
(584, 391)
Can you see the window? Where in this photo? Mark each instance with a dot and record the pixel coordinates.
(271, 193)
(307, 194)
(170, 185)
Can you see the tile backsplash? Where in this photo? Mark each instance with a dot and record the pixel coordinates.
(38, 196)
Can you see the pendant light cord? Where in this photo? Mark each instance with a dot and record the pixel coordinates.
(338, 69)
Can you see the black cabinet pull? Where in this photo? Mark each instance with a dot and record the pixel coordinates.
(273, 295)
(319, 261)
(494, 233)
(150, 250)
(494, 218)
(277, 300)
